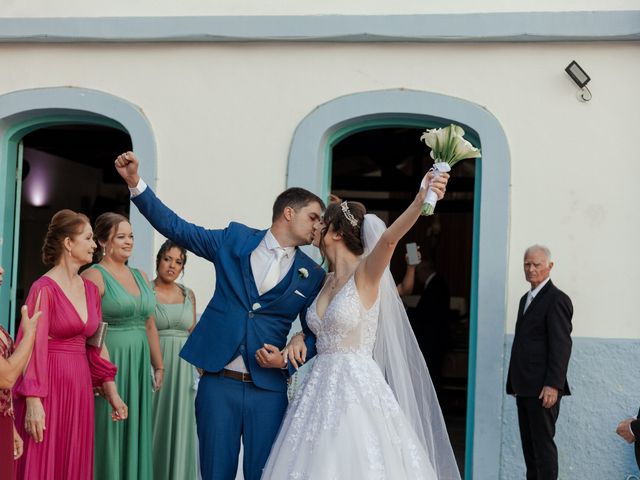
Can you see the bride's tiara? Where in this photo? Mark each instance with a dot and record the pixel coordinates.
(348, 215)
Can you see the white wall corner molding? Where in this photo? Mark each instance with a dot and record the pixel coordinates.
(469, 27)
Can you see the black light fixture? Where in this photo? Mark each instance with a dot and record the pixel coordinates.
(580, 78)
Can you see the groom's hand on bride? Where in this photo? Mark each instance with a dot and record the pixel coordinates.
(270, 357)
(127, 166)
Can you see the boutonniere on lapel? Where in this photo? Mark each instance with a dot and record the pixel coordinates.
(303, 272)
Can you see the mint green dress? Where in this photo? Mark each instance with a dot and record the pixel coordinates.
(123, 449)
(174, 421)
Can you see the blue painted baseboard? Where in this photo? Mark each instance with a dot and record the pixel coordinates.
(605, 386)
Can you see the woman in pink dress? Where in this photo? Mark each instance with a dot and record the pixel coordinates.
(54, 397)
(12, 362)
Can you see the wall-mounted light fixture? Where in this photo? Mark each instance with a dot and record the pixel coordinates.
(580, 78)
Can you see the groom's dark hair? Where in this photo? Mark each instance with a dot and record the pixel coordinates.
(295, 198)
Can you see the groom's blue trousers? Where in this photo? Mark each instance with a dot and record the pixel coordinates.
(228, 410)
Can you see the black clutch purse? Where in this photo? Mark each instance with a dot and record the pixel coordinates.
(97, 339)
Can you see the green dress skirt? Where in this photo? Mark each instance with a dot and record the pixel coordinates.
(123, 449)
(174, 422)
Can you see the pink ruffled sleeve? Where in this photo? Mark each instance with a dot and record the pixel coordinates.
(35, 380)
(102, 370)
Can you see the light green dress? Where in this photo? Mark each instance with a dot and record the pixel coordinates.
(174, 421)
(123, 449)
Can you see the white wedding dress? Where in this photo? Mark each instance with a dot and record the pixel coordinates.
(345, 422)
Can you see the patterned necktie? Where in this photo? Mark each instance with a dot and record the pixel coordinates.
(273, 274)
(528, 301)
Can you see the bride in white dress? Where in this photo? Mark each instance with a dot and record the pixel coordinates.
(367, 408)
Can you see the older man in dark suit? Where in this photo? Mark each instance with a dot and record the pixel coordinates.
(539, 360)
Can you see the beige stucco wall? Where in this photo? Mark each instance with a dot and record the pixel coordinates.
(224, 115)
(80, 8)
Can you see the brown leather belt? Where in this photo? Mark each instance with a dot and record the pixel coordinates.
(241, 377)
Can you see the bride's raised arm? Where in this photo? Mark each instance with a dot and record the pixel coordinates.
(370, 271)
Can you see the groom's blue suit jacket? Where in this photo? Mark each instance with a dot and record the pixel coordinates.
(238, 320)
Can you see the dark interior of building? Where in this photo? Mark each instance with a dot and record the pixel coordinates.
(382, 168)
(65, 166)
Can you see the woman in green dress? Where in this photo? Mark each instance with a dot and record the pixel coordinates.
(123, 450)
(174, 423)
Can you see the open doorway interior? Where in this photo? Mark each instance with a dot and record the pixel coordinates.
(382, 168)
(65, 166)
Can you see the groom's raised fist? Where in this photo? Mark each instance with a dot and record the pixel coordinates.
(127, 166)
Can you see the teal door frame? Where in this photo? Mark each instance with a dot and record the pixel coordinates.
(309, 167)
(27, 110)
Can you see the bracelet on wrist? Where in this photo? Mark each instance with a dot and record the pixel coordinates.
(158, 369)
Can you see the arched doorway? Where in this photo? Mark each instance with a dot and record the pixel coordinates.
(310, 167)
(25, 112)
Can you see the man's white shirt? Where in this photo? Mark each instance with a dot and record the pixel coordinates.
(532, 293)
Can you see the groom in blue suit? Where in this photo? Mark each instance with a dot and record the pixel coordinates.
(263, 283)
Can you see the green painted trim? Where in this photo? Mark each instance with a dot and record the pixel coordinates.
(390, 122)
(328, 172)
(9, 151)
(375, 123)
(16, 236)
(447, 27)
(473, 322)
(17, 131)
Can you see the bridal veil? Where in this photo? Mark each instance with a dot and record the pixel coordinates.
(397, 353)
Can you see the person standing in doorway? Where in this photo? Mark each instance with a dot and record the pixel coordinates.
(539, 361)
(430, 319)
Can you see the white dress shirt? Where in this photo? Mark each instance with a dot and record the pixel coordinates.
(265, 254)
(261, 259)
(138, 189)
(532, 293)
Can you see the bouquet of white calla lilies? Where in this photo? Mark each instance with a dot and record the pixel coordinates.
(448, 147)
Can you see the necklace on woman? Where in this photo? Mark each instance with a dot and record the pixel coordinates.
(114, 269)
(338, 282)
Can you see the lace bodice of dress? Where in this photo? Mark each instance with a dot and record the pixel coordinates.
(346, 326)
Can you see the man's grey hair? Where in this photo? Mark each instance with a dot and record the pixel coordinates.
(539, 248)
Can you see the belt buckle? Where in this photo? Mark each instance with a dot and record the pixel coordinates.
(246, 377)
